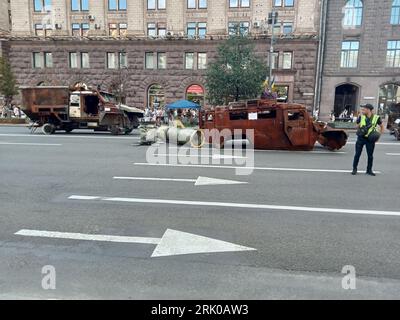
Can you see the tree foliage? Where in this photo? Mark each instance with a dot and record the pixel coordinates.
(236, 74)
(8, 83)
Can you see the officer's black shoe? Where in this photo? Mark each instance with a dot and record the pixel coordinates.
(354, 172)
(371, 173)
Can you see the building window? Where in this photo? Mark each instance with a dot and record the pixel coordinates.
(239, 3)
(39, 30)
(161, 60)
(284, 3)
(238, 28)
(202, 60)
(116, 60)
(41, 5)
(85, 60)
(195, 93)
(156, 4)
(353, 12)
(393, 54)
(149, 60)
(282, 93)
(287, 28)
(199, 4)
(114, 5)
(79, 5)
(73, 60)
(80, 29)
(37, 60)
(349, 56)
(196, 30)
(42, 60)
(189, 60)
(156, 30)
(395, 16)
(287, 59)
(155, 97)
(79, 60)
(117, 30)
(155, 60)
(195, 60)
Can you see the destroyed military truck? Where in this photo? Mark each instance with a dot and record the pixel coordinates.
(277, 126)
(67, 108)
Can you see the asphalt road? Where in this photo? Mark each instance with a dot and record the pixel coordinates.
(303, 212)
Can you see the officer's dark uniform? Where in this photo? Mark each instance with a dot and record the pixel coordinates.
(370, 146)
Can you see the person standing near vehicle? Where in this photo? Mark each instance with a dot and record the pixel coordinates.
(367, 135)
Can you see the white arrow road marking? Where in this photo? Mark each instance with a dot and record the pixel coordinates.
(237, 205)
(243, 168)
(172, 243)
(200, 181)
(205, 181)
(29, 144)
(180, 243)
(393, 154)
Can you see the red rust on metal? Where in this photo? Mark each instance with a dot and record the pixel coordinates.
(277, 126)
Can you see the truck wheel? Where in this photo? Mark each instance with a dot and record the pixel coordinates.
(68, 130)
(48, 128)
(115, 130)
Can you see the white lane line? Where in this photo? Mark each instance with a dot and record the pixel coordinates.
(213, 156)
(393, 154)
(240, 205)
(200, 181)
(154, 179)
(67, 136)
(381, 143)
(28, 144)
(82, 236)
(243, 168)
(269, 151)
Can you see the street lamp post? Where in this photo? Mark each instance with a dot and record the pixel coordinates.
(272, 17)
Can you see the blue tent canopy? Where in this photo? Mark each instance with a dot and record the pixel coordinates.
(183, 104)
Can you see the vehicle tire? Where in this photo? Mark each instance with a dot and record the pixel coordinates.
(48, 128)
(68, 130)
(115, 130)
(128, 130)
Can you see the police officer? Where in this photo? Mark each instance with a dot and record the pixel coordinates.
(367, 133)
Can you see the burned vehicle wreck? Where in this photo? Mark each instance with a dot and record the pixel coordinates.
(277, 126)
(79, 107)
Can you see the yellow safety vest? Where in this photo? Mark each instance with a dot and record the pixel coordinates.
(374, 122)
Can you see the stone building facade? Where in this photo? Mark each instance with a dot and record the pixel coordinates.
(361, 61)
(158, 48)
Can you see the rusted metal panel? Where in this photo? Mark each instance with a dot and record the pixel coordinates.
(277, 126)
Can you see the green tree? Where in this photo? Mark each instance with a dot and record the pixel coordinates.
(8, 83)
(236, 74)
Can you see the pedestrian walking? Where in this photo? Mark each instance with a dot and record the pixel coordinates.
(367, 135)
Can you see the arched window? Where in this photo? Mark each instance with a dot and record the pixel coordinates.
(156, 96)
(395, 16)
(195, 93)
(389, 98)
(353, 12)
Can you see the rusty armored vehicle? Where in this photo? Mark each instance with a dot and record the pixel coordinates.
(277, 126)
(79, 107)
